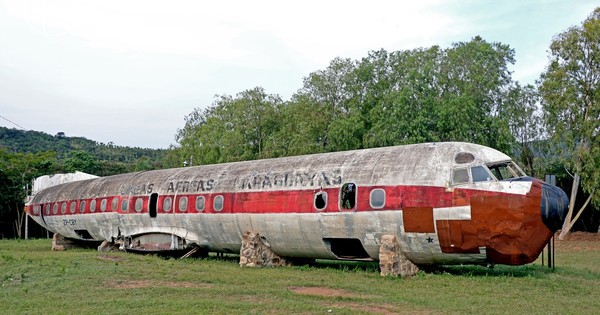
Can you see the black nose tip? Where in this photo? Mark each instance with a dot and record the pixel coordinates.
(554, 206)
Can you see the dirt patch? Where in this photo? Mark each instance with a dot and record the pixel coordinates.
(323, 291)
(580, 236)
(386, 309)
(379, 309)
(578, 241)
(134, 284)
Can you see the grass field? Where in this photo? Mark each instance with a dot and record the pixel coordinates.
(36, 280)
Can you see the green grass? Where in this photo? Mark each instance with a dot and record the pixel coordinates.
(36, 280)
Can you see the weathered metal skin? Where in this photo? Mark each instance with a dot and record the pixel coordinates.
(299, 206)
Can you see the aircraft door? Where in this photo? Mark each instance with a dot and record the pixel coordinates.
(153, 205)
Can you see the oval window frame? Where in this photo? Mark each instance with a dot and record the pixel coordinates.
(203, 203)
(167, 204)
(371, 198)
(218, 203)
(183, 201)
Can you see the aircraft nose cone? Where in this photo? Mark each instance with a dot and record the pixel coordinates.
(554, 206)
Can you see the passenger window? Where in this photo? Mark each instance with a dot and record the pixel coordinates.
(218, 203)
(63, 208)
(200, 203)
(183, 204)
(114, 204)
(72, 206)
(103, 205)
(377, 199)
(348, 196)
(125, 204)
(167, 204)
(93, 205)
(321, 200)
(139, 203)
(460, 176)
(480, 174)
(82, 206)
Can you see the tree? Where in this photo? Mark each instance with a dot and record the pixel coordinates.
(330, 92)
(81, 161)
(302, 128)
(473, 79)
(570, 89)
(405, 92)
(16, 172)
(427, 94)
(455, 94)
(524, 119)
(232, 129)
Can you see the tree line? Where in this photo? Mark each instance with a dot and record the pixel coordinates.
(461, 93)
(25, 155)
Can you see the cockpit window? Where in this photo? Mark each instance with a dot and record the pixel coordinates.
(507, 170)
(460, 175)
(472, 174)
(480, 174)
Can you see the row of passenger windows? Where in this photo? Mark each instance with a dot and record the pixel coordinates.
(348, 198)
(138, 206)
(348, 201)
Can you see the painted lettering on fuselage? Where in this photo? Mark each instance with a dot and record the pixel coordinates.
(145, 188)
(186, 186)
(290, 179)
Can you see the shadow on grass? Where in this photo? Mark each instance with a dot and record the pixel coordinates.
(536, 271)
(344, 265)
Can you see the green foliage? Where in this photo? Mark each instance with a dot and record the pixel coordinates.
(524, 120)
(232, 129)
(77, 153)
(463, 93)
(570, 89)
(80, 161)
(25, 155)
(16, 172)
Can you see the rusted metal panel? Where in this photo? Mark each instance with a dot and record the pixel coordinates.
(418, 220)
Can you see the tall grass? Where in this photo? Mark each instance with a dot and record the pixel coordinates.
(35, 280)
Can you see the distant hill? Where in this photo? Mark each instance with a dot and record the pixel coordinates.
(126, 158)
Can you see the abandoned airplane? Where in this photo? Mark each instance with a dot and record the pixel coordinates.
(446, 203)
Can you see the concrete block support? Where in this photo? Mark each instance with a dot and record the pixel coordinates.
(392, 262)
(256, 252)
(108, 246)
(60, 243)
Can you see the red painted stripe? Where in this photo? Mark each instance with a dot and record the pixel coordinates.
(294, 201)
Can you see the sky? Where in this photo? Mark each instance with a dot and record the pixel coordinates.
(128, 72)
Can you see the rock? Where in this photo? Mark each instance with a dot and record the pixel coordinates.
(108, 246)
(392, 262)
(60, 243)
(256, 252)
